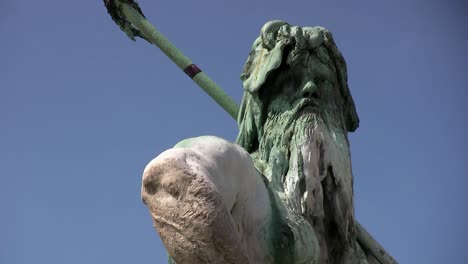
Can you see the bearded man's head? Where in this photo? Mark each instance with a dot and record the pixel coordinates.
(292, 73)
(294, 118)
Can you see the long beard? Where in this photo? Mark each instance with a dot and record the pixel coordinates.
(307, 162)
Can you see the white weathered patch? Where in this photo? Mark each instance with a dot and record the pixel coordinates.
(234, 177)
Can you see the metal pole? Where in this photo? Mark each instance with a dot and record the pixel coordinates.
(366, 239)
(153, 35)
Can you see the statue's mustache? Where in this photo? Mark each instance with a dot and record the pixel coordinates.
(299, 107)
(306, 106)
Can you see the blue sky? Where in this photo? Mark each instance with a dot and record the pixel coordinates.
(83, 109)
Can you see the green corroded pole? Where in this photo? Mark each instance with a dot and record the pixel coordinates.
(150, 33)
(365, 239)
(126, 13)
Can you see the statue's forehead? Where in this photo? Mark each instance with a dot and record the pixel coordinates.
(313, 67)
(303, 44)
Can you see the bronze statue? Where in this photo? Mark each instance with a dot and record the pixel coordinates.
(284, 192)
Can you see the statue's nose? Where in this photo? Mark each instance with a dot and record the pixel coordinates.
(309, 89)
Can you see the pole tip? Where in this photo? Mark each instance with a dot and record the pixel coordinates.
(119, 18)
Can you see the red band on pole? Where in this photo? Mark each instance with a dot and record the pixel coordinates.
(192, 70)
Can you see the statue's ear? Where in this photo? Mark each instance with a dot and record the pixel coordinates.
(351, 119)
(248, 132)
(349, 113)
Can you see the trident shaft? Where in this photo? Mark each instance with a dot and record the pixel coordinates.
(128, 15)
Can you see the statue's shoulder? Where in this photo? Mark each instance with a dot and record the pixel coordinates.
(213, 146)
(203, 140)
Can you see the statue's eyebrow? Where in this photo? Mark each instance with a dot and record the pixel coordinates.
(321, 71)
(321, 63)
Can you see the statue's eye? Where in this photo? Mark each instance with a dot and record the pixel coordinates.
(323, 82)
(319, 79)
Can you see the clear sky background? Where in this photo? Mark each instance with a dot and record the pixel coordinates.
(83, 109)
